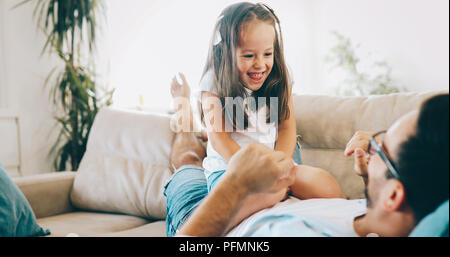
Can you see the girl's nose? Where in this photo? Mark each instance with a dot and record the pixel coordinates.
(258, 62)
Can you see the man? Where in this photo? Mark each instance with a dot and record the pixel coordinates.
(405, 170)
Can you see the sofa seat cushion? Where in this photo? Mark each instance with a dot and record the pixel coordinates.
(90, 223)
(153, 229)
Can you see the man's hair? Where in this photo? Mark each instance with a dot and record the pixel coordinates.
(423, 162)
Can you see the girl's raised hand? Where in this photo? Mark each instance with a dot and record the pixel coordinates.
(178, 89)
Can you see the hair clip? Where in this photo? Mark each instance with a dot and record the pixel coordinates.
(217, 38)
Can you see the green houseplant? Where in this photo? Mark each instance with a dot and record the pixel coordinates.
(376, 80)
(70, 27)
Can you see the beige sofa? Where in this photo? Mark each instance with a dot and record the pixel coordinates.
(118, 188)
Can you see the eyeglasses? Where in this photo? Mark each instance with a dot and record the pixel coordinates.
(375, 146)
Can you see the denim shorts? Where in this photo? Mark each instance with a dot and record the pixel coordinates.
(187, 188)
(184, 192)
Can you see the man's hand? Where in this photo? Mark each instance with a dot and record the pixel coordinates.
(258, 169)
(253, 169)
(359, 140)
(361, 163)
(357, 146)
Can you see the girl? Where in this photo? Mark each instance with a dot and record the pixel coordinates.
(246, 74)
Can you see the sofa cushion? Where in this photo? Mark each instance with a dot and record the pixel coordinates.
(326, 124)
(48, 193)
(126, 164)
(90, 223)
(152, 229)
(341, 167)
(330, 121)
(434, 224)
(16, 216)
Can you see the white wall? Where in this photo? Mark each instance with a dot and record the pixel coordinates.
(411, 35)
(3, 97)
(148, 42)
(25, 74)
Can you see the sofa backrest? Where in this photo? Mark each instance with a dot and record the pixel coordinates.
(326, 124)
(126, 164)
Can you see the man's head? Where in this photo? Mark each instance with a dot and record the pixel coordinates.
(417, 147)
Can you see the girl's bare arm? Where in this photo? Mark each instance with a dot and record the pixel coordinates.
(215, 126)
(287, 130)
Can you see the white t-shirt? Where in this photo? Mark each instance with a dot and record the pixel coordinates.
(295, 217)
(258, 130)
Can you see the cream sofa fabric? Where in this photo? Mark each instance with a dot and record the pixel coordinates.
(48, 194)
(90, 223)
(327, 123)
(126, 164)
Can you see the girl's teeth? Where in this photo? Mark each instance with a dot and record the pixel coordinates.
(255, 75)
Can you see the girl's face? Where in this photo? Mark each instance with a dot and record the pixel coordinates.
(255, 53)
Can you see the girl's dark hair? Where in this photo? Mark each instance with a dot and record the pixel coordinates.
(222, 60)
(423, 159)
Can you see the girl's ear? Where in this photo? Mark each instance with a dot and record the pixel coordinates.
(394, 195)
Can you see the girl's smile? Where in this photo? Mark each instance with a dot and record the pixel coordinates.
(256, 77)
(255, 53)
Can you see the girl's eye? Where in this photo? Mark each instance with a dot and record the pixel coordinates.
(267, 54)
(248, 56)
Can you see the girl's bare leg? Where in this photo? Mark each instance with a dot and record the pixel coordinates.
(311, 182)
(188, 147)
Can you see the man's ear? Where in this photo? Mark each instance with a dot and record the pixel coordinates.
(394, 195)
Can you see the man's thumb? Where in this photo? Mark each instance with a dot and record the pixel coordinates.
(287, 180)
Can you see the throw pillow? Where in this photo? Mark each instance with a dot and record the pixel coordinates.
(434, 224)
(17, 219)
(126, 164)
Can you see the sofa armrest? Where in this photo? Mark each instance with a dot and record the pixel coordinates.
(48, 194)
